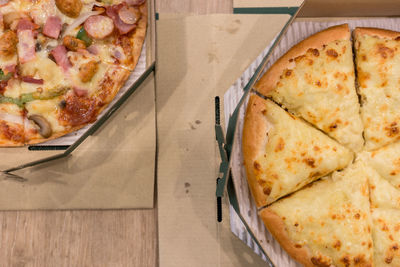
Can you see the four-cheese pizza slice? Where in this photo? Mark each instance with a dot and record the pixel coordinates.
(315, 80)
(378, 71)
(327, 223)
(385, 209)
(282, 153)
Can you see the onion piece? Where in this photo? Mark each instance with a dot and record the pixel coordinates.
(80, 20)
(11, 118)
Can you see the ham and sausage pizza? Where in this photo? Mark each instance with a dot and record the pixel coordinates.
(62, 62)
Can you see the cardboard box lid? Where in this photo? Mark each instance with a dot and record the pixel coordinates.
(199, 57)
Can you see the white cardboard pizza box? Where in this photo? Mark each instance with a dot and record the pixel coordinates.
(205, 65)
(112, 168)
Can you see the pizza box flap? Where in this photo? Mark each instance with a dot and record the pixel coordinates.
(112, 169)
(198, 58)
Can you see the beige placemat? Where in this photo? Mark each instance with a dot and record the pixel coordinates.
(113, 169)
(199, 57)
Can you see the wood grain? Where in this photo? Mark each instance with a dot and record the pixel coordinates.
(78, 238)
(90, 238)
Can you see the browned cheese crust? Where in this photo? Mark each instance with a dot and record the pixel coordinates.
(381, 33)
(254, 129)
(277, 228)
(316, 41)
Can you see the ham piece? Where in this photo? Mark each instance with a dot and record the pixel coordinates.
(52, 28)
(26, 46)
(29, 79)
(60, 55)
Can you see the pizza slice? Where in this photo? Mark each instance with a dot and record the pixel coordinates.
(315, 80)
(378, 64)
(283, 153)
(61, 112)
(386, 161)
(327, 223)
(385, 204)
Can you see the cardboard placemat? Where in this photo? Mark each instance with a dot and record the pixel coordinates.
(112, 169)
(199, 57)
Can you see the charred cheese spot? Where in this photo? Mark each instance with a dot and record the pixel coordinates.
(384, 51)
(288, 73)
(320, 262)
(394, 247)
(362, 78)
(313, 51)
(392, 130)
(332, 53)
(267, 191)
(357, 216)
(345, 260)
(264, 112)
(337, 245)
(359, 259)
(388, 260)
(318, 83)
(364, 57)
(257, 166)
(310, 162)
(298, 246)
(280, 146)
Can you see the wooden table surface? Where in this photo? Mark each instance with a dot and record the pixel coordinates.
(90, 238)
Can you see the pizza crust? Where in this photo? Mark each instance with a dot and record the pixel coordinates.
(317, 41)
(254, 143)
(381, 33)
(139, 36)
(277, 228)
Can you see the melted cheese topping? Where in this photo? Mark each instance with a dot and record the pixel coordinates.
(385, 201)
(320, 87)
(49, 109)
(43, 68)
(78, 59)
(295, 154)
(386, 161)
(43, 9)
(331, 219)
(378, 67)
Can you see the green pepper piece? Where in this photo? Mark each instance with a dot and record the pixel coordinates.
(26, 98)
(4, 77)
(82, 35)
(6, 99)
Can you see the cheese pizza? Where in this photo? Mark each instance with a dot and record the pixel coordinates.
(318, 105)
(62, 62)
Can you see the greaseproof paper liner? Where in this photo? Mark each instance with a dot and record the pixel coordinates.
(295, 33)
(71, 138)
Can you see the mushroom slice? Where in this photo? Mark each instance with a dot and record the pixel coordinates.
(44, 126)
